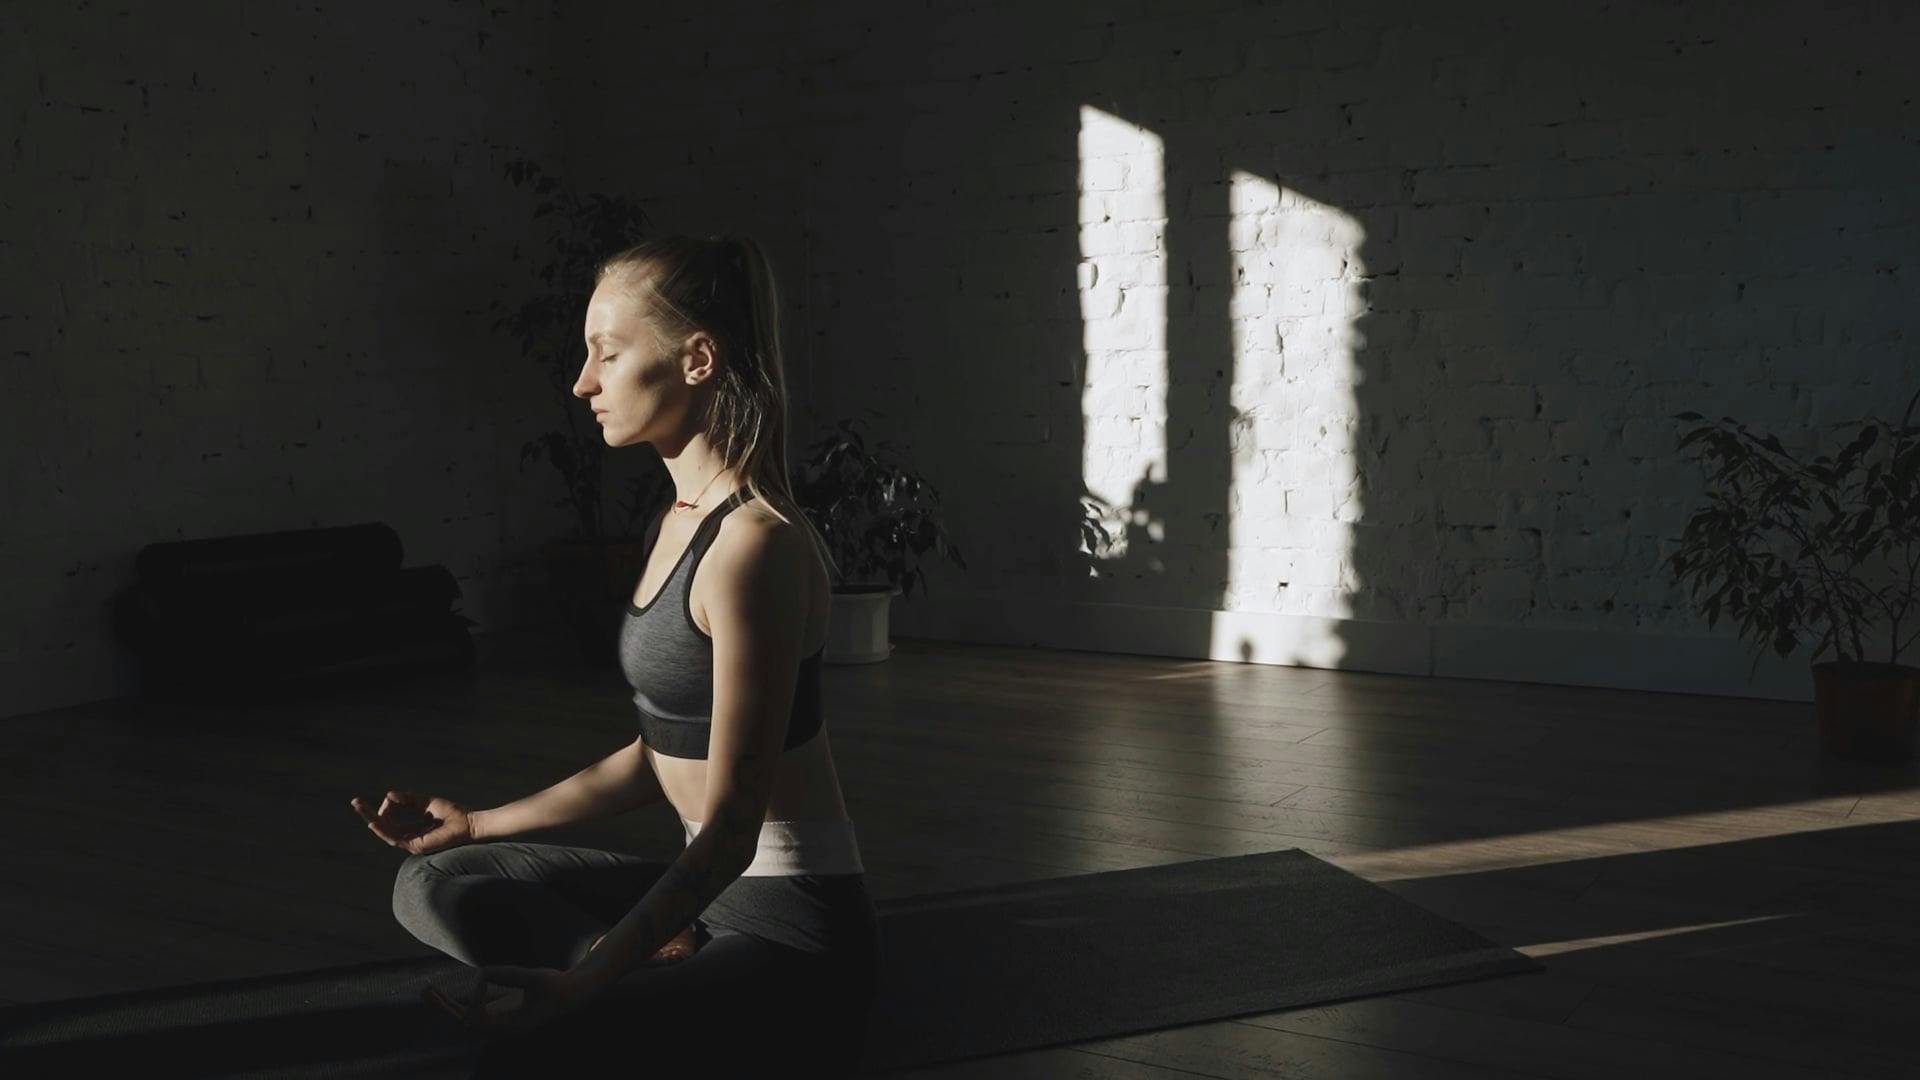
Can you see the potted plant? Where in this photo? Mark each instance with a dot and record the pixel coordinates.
(591, 569)
(877, 518)
(1867, 709)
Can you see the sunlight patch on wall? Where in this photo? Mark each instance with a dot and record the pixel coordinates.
(1296, 294)
(1293, 494)
(1122, 279)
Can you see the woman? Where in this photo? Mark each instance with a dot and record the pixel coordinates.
(768, 941)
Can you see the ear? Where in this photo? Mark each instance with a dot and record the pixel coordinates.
(703, 355)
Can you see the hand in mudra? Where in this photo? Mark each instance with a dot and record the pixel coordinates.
(417, 824)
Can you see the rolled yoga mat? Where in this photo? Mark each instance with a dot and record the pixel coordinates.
(964, 974)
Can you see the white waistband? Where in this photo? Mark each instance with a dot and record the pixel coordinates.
(825, 846)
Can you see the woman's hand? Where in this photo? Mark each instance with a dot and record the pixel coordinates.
(417, 824)
(545, 993)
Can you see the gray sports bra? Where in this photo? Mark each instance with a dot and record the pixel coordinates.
(668, 659)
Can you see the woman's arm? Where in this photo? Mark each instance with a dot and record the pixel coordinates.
(617, 783)
(711, 861)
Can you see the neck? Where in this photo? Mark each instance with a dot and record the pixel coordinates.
(700, 475)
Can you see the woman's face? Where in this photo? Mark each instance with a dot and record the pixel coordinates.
(625, 378)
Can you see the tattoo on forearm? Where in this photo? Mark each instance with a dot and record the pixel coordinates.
(704, 870)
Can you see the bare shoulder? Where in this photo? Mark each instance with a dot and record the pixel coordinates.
(755, 527)
(735, 542)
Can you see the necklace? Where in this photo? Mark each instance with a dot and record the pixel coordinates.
(680, 503)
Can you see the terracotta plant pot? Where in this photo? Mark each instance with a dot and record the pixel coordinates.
(1868, 710)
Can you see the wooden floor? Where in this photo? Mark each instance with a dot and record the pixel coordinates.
(1709, 896)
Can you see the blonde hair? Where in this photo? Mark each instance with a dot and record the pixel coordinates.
(725, 286)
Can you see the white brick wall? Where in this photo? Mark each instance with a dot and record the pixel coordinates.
(1369, 311)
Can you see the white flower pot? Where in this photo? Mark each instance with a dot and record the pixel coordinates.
(857, 630)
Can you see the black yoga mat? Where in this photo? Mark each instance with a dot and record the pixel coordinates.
(969, 973)
(1041, 963)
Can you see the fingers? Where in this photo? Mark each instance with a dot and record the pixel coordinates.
(396, 833)
(373, 822)
(452, 1008)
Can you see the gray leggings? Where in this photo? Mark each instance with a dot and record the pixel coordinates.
(784, 976)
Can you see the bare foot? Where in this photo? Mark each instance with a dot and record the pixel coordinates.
(682, 946)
